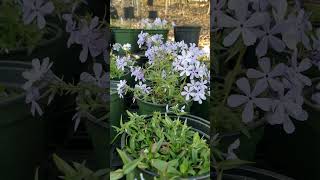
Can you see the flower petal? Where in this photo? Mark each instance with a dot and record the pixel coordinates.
(277, 44)
(262, 47)
(247, 114)
(236, 100)
(244, 86)
(263, 103)
(249, 37)
(232, 37)
(254, 74)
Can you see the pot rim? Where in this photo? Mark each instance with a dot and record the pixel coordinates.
(188, 26)
(207, 136)
(53, 29)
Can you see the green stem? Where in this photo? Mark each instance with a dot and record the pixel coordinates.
(233, 74)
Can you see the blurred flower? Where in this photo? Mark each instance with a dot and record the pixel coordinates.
(32, 96)
(137, 72)
(126, 47)
(249, 99)
(143, 87)
(117, 47)
(37, 73)
(36, 9)
(91, 38)
(188, 92)
(121, 88)
(231, 148)
(100, 77)
(71, 27)
(267, 76)
(244, 23)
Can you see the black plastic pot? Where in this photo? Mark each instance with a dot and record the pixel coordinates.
(150, 2)
(128, 12)
(153, 14)
(285, 151)
(22, 136)
(198, 124)
(252, 173)
(188, 34)
(99, 133)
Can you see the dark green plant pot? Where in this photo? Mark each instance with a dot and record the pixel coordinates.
(188, 34)
(128, 12)
(153, 14)
(201, 110)
(251, 173)
(304, 141)
(248, 145)
(116, 108)
(112, 36)
(149, 108)
(124, 36)
(99, 133)
(22, 137)
(198, 124)
(163, 32)
(48, 47)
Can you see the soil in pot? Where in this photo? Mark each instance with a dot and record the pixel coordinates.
(197, 124)
(188, 34)
(124, 36)
(22, 137)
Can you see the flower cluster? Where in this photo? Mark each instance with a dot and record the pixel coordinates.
(156, 24)
(174, 72)
(270, 28)
(89, 34)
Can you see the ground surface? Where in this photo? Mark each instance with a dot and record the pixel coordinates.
(192, 13)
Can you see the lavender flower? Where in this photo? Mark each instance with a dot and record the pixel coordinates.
(33, 95)
(121, 88)
(284, 107)
(138, 74)
(99, 79)
(36, 9)
(188, 92)
(143, 87)
(117, 47)
(126, 47)
(249, 99)
(37, 73)
(244, 23)
(268, 36)
(267, 76)
(91, 38)
(231, 148)
(71, 27)
(294, 71)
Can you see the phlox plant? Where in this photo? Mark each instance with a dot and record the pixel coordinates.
(173, 74)
(284, 42)
(167, 146)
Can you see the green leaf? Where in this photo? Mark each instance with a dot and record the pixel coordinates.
(124, 157)
(184, 166)
(160, 165)
(115, 175)
(129, 167)
(63, 166)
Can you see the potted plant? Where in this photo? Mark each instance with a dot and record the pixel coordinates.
(187, 33)
(91, 103)
(19, 160)
(158, 26)
(173, 75)
(126, 32)
(159, 152)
